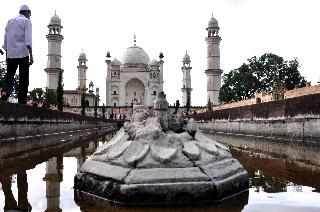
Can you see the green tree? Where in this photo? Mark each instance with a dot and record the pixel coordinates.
(258, 74)
(60, 101)
(103, 111)
(3, 71)
(176, 107)
(83, 102)
(95, 106)
(188, 104)
(37, 95)
(50, 96)
(209, 105)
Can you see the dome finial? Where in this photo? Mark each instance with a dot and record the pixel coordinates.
(134, 40)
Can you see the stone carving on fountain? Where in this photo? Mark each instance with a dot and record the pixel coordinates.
(161, 158)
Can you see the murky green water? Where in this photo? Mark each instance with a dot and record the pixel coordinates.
(41, 178)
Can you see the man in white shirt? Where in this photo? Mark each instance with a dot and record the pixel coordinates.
(18, 47)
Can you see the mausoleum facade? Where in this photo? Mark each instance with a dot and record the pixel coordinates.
(133, 80)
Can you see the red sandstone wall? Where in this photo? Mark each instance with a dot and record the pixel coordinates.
(267, 97)
(302, 105)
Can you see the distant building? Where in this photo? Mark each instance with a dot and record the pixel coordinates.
(54, 52)
(71, 97)
(186, 81)
(213, 71)
(133, 80)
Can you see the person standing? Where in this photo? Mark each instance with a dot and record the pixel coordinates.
(18, 47)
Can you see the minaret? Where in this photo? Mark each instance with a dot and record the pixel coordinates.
(213, 71)
(161, 71)
(186, 82)
(53, 179)
(108, 78)
(82, 68)
(54, 52)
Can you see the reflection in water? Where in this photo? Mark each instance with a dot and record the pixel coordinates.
(53, 179)
(268, 184)
(15, 161)
(275, 174)
(268, 174)
(10, 201)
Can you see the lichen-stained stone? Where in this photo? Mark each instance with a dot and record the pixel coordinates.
(179, 161)
(208, 147)
(132, 129)
(174, 140)
(150, 130)
(175, 123)
(120, 136)
(164, 193)
(117, 149)
(135, 152)
(141, 115)
(199, 136)
(222, 169)
(119, 161)
(163, 154)
(105, 170)
(147, 162)
(191, 126)
(206, 158)
(166, 175)
(191, 150)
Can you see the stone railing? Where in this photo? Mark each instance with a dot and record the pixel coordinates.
(302, 105)
(20, 120)
(295, 118)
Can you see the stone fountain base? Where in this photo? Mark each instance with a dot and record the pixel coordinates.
(161, 158)
(159, 185)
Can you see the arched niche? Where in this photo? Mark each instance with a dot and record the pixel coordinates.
(135, 91)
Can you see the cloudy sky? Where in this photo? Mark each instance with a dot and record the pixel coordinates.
(288, 28)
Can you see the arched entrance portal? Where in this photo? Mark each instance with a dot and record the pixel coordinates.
(134, 92)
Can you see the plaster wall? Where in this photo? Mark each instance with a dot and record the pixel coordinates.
(20, 121)
(293, 128)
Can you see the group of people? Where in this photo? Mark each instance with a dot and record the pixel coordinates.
(18, 50)
(115, 116)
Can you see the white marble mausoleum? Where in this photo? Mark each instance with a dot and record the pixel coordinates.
(133, 80)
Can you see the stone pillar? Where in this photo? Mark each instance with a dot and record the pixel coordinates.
(186, 82)
(160, 107)
(108, 86)
(54, 52)
(213, 71)
(82, 158)
(22, 183)
(161, 71)
(53, 179)
(82, 68)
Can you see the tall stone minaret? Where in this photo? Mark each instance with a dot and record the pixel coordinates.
(213, 71)
(186, 82)
(161, 71)
(54, 52)
(82, 68)
(108, 78)
(53, 178)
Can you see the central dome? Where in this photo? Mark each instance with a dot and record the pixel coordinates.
(135, 55)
